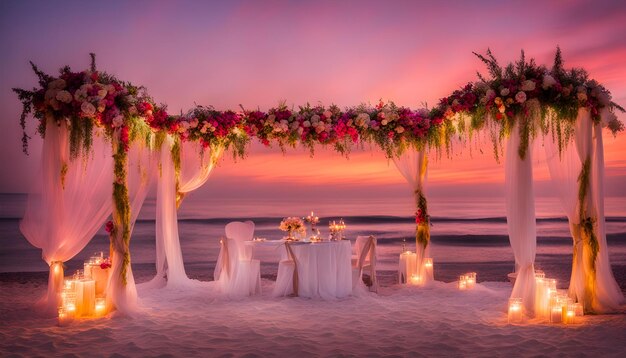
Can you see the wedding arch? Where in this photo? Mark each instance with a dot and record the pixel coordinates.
(85, 116)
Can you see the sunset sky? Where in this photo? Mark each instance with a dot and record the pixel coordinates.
(256, 53)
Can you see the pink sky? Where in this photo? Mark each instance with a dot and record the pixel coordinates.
(257, 53)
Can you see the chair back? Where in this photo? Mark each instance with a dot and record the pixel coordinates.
(360, 248)
(240, 231)
(366, 255)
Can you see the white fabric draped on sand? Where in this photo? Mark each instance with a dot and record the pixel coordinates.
(413, 165)
(520, 217)
(565, 169)
(141, 164)
(68, 203)
(196, 166)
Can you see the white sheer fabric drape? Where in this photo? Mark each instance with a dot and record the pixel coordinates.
(141, 163)
(196, 166)
(565, 168)
(413, 165)
(520, 217)
(64, 211)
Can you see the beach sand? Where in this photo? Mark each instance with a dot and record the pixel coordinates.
(398, 321)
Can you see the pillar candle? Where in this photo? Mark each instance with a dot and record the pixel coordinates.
(516, 310)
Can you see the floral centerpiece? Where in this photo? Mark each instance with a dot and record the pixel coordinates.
(291, 225)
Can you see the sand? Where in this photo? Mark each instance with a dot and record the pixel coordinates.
(398, 321)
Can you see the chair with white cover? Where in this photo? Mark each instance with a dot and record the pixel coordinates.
(237, 272)
(365, 258)
(241, 232)
(287, 277)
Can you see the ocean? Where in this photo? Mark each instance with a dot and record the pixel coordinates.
(467, 235)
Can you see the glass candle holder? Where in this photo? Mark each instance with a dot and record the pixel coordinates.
(100, 306)
(570, 314)
(64, 318)
(462, 282)
(416, 279)
(516, 310)
(471, 279)
(578, 309)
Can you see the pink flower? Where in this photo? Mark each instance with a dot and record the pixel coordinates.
(520, 97)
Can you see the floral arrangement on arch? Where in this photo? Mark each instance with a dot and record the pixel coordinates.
(526, 91)
(84, 100)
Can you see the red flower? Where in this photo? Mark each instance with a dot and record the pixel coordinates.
(105, 265)
(499, 116)
(109, 227)
(124, 137)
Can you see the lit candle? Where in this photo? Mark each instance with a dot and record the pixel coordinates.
(462, 282)
(471, 279)
(64, 318)
(100, 306)
(578, 309)
(428, 269)
(516, 310)
(70, 308)
(570, 314)
(416, 279)
(556, 314)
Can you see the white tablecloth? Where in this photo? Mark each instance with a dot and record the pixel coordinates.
(324, 268)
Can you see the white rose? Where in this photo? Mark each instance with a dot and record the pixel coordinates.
(294, 126)
(384, 122)
(110, 89)
(132, 110)
(528, 85)
(59, 83)
(315, 118)
(271, 118)
(300, 130)
(64, 96)
(80, 95)
(102, 93)
(520, 97)
(548, 81)
(504, 92)
(502, 109)
(328, 114)
(88, 109)
(582, 96)
(306, 124)
(118, 121)
(193, 123)
(399, 129)
(236, 131)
